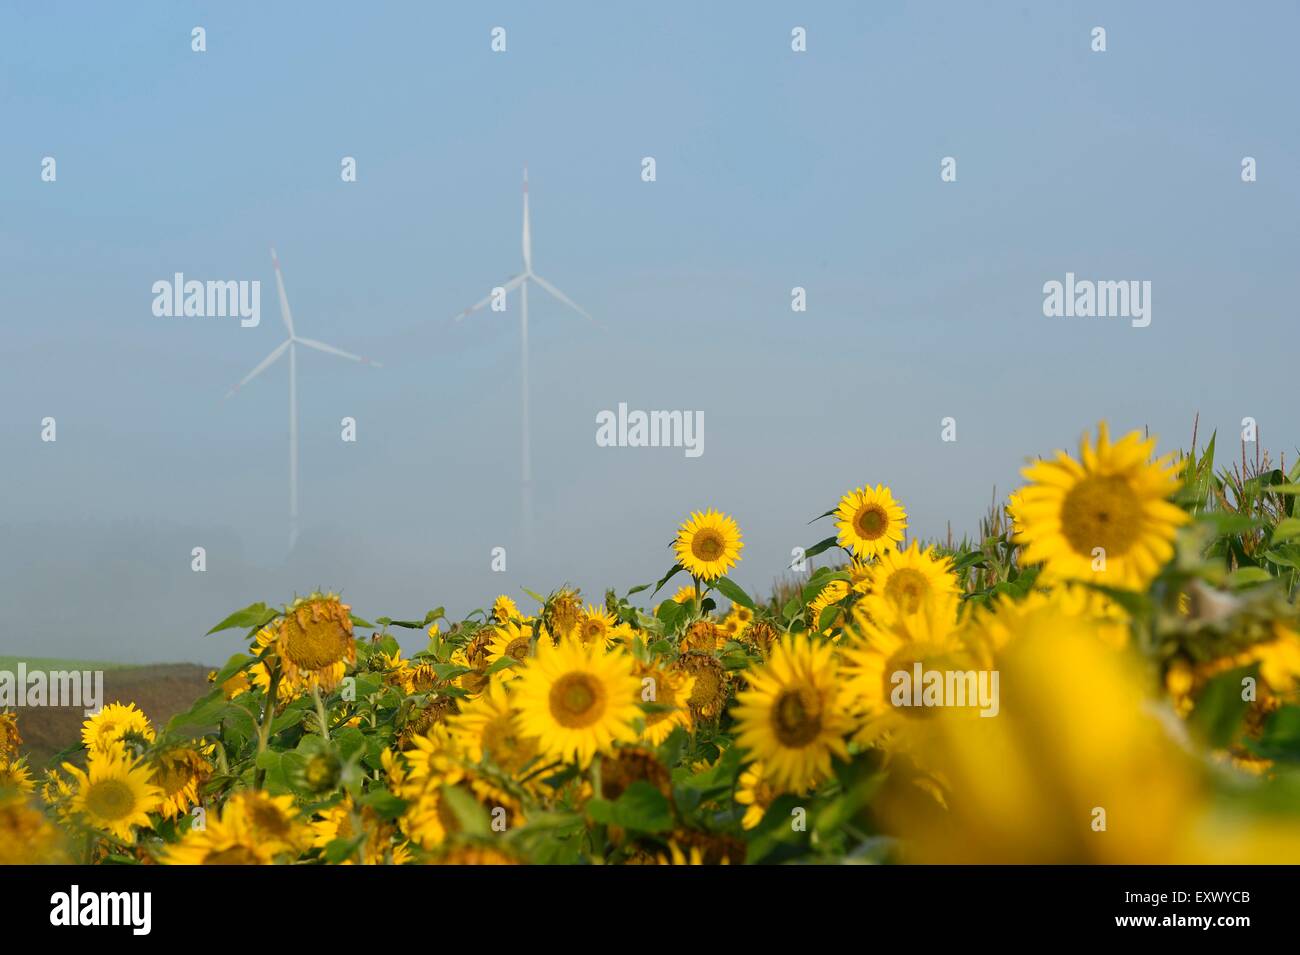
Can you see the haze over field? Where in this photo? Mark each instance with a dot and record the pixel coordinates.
(774, 170)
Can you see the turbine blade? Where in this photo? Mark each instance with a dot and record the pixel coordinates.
(330, 349)
(510, 286)
(561, 297)
(285, 314)
(262, 366)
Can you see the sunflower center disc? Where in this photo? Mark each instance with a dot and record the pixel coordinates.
(797, 717)
(906, 588)
(871, 521)
(576, 700)
(1101, 512)
(707, 545)
(110, 799)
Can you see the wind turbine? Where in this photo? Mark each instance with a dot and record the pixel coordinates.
(520, 282)
(290, 345)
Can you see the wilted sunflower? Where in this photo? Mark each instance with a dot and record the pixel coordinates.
(793, 717)
(10, 739)
(113, 724)
(763, 635)
(179, 772)
(489, 726)
(709, 687)
(708, 544)
(577, 700)
(1104, 518)
(633, 764)
(754, 792)
(114, 793)
(669, 693)
(870, 521)
(702, 635)
(314, 642)
(562, 614)
(901, 581)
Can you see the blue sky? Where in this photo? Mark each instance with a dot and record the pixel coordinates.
(775, 169)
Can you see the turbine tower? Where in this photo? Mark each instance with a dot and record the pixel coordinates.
(520, 282)
(290, 345)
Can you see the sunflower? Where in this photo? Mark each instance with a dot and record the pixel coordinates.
(503, 609)
(1104, 518)
(709, 686)
(998, 623)
(669, 693)
(702, 635)
(473, 855)
(708, 544)
(756, 794)
(901, 581)
(273, 820)
(882, 649)
(179, 772)
(633, 764)
(870, 521)
(595, 626)
(314, 642)
(114, 793)
(763, 635)
(489, 727)
(512, 641)
(828, 596)
(793, 717)
(562, 614)
(27, 837)
(224, 839)
(15, 777)
(113, 724)
(376, 839)
(577, 700)
(684, 594)
(10, 738)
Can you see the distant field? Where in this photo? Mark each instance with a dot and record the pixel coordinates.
(160, 690)
(54, 663)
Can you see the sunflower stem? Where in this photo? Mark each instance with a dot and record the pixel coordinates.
(268, 717)
(320, 712)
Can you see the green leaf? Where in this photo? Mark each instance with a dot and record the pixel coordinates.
(1245, 576)
(473, 818)
(672, 572)
(1286, 529)
(383, 802)
(1220, 709)
(641, 807)
(732, 591)
(822, 545)
(251, 617)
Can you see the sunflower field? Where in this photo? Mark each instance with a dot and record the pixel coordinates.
(1129, 621)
